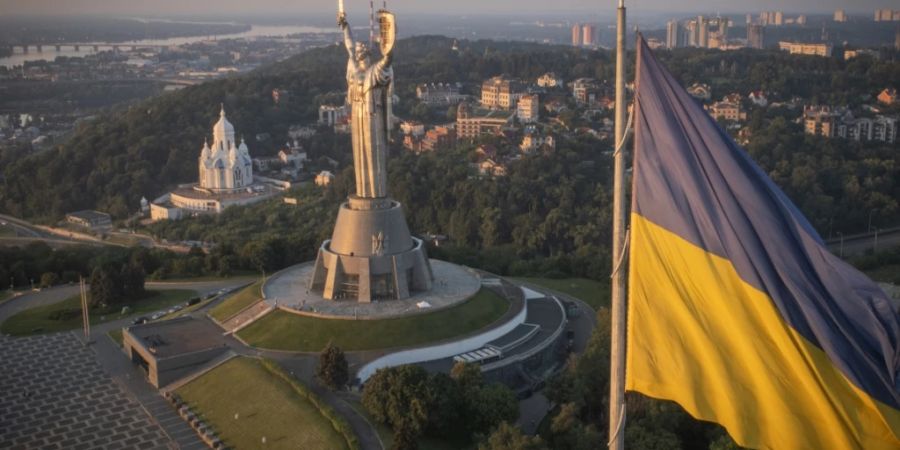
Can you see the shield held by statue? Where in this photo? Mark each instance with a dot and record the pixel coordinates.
(387, 31)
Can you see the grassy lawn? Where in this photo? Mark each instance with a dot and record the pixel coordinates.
(66, 315)
(887, 274)
(285, 331)
(266, 406)
(592, 292)
(7, 231)
(116, 336)
(232, 305)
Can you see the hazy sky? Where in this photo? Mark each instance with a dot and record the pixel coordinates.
(220, 7)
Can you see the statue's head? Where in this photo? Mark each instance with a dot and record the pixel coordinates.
(362, 52)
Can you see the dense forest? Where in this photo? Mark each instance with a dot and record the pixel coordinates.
(549, 215)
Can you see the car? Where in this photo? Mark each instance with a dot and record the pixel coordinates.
(139, 320)
(157, 315)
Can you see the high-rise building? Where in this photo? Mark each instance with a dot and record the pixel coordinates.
(887, 15)
(576, 34)
(723, 28)
(673, 34)
(779, 18)
(692, 32)
(801, 19)
(755, 38)
(764, 18)
(749, 19)
(702, 32)
(840, 15)
(589, 35)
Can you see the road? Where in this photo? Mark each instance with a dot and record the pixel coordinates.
(860, 243)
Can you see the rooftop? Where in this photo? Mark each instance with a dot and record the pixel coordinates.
(177, 336)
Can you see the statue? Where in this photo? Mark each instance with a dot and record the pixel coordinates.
(371, 254)
(369, 93)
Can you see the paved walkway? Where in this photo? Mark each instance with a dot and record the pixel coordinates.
(152, 420)
(56, 396)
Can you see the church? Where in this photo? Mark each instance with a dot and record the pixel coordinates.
(225, 178)
(225, 167)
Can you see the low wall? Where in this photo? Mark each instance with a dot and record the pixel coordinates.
(440, 351)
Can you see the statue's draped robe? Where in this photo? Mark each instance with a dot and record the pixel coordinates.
(369, 96)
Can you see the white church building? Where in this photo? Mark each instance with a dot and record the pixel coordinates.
(225, 179)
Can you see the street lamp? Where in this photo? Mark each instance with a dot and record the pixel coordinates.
(875, 242)
(869, 227)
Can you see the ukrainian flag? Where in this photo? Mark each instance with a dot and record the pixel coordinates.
(736, 309)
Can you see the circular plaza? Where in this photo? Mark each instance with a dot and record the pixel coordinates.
(289, 290)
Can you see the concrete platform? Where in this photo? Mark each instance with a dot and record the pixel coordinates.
(289, 289)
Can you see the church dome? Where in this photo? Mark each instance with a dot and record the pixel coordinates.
(223, 130)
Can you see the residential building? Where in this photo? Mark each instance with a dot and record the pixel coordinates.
(438, 138)
(501, 93)
(301, 132)
(879, 128)
(412, 127)
(779, 18)
(673, 34)
(587, 91)
(528, 107)
(702, 32)
(589, 35)
(331, 115)
(888, 96)
(576, 35)
(324, 178)
(755, 36)
(473, 122)
(758, 98)
(534, 140)
(854, 53)
(700, 91)
(819, 121)
(491, 168)
(294, 157)
(799, 48)
(550, 80)
(440, 93)
(887, 15)
(728, 110)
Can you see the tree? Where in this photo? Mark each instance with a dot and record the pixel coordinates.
(332, 370)
(48, 279)
(509, 437)
(398, 396)
(105, 288)
(132, 278)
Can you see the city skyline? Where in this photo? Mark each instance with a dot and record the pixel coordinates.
(227, 7)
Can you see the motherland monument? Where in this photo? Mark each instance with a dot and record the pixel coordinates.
(371, 254)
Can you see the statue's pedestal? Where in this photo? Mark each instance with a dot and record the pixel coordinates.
(371, 254)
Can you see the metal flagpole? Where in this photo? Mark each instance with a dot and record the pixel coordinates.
(617, 351)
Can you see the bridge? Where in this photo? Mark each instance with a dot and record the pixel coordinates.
(23, 49)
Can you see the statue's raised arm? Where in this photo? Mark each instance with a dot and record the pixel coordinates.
(348, 34)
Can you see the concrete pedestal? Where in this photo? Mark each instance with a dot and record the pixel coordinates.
(371, 255)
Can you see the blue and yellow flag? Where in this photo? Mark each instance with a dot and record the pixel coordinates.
(736, 309)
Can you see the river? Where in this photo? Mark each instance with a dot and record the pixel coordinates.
(50, 53)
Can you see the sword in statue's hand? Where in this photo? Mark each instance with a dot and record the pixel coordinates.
(342, 16)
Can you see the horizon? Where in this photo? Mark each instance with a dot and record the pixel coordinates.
(510, 8)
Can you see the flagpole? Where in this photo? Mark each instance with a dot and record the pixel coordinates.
(617, 350)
